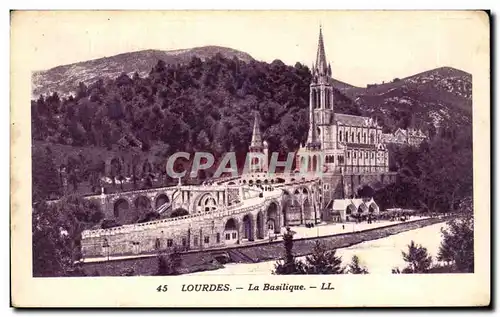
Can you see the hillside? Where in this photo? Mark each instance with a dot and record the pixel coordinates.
(438, 97)
(195, 104)
(207, 105)
(64, 79)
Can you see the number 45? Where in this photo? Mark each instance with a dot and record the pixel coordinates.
(162, 288)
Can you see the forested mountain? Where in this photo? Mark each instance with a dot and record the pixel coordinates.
(439, 97)
(196, 106)
(64, 79)
(207, 105)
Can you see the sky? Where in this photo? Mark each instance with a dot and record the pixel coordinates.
(363, 46)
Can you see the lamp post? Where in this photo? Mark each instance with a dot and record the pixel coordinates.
(189, 237)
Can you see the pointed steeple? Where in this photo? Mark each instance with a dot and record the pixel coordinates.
(321, 65)
(256, 137)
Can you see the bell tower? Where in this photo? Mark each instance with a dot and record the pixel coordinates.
(321, 112)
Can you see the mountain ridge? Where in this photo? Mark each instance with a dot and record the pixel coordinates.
(64, 79)
(431, 97)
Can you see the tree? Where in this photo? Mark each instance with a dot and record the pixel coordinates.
(109, 223)
(418, 259)
(52, 246)
(169, 264)
(365, 192)
(179, 212)
(73, 179)
(457, 245)
(148, 182)
(288, 265)
(121, 179)
(46, 180)
(355, 267)
(323, 261)
(150, 216)
(56, 233)
(94, 181)
(434, 176)
(135, 163)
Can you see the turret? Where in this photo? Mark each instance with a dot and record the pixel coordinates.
(258, 149)
(256, 143)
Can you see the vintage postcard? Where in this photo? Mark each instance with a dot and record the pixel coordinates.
(250, 158)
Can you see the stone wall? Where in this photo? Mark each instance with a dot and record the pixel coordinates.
(194, 231)
(205, 260)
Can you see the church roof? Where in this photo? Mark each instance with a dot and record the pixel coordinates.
(330, 204)
(357, 202)
(400, 131)
(341, 204)
(357, 121)
(416, 133)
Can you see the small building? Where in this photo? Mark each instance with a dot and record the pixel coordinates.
(342, 210)
(412, 137)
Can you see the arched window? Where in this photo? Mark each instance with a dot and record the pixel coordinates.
(372, 139)
(354, 154)
(364, 137)
(346, 137)
(352, 137)
(348, 154)
(340, 136)
(359, 140)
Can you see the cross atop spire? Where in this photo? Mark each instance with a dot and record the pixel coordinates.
(256, 137)
(321, 65)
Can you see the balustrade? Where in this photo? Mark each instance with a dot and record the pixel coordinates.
(224, 212)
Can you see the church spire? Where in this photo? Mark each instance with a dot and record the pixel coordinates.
(256, 137)
(321, 65)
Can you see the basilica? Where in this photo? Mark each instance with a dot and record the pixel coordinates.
(338, 143)
(344, 152)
